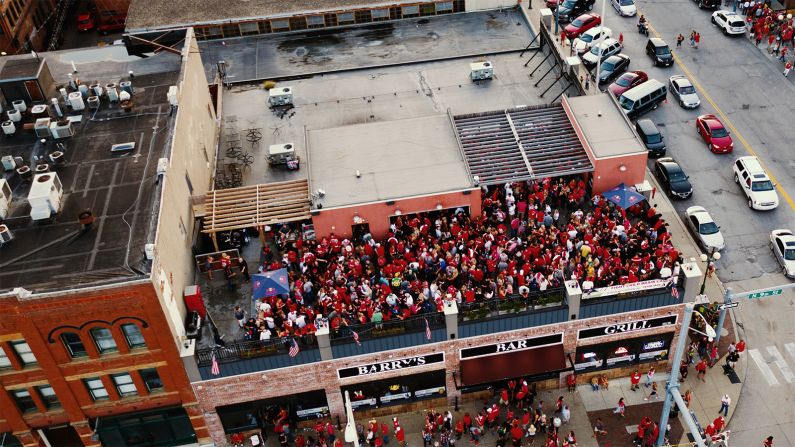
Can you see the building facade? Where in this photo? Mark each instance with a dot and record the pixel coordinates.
(84, 360)
(25, 26)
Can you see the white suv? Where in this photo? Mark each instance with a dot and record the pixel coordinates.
(757, 186)
(729, 22)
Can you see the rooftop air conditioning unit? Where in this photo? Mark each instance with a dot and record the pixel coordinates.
(39, 111)
(573, 64)
(45, 196)
(14, 115)
(479, 71)
(76, 101)
(9, 128)
(20, 105)
(9, 164)
(62, 129)
(5, 198)
(42, 128)
(5, 235)
(280, 96)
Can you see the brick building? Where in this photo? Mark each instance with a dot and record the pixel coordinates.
(91, 335)
(25, 25)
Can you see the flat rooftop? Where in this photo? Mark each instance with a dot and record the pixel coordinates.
(282, 55)
(119, 188)
(400, 158)
(608, 132)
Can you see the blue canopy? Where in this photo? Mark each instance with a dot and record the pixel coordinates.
(623, 196)
(269, 284)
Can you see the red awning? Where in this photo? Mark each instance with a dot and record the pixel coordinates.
(529, 362)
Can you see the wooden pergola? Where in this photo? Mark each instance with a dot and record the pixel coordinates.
(255, 206)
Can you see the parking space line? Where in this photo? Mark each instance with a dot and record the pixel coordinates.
(726, 121)
(763, 368)
(791, 349)
(782, 365)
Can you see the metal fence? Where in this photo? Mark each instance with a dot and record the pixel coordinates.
(239, 350)
(512, 305)
(388, 328)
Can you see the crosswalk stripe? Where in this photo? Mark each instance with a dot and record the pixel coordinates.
(782, 365)
(763, 368)
(791, 349)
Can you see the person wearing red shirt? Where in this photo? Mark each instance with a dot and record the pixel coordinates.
(400, 435)
(634, 380)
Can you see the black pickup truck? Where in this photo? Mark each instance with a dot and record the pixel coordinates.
(708, 4)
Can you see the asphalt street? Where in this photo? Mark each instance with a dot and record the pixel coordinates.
(745, 88)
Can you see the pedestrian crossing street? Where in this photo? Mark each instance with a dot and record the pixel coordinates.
(771, 357)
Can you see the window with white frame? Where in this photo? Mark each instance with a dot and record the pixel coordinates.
(5, 362)
(22, 348)
(124, 385)
(96, 388)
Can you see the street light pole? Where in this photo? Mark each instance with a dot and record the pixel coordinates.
(710, 260)
(727, 299)
(599, 47)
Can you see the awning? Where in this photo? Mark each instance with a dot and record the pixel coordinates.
(256, 206)
(525, 363)
(521, 144)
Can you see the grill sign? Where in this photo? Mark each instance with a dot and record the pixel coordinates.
(392, 365)
(631, 326)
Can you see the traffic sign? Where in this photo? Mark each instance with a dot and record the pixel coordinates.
(765, 293)
(728, 306)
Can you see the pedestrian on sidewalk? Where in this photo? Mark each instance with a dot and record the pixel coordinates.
(725, 401)
(713, 355)
(621, 38)
(684, 369)
(571, 382)
(595, 383)
(687, 398)
(696, 40)
(565, 414)
(787, 68)
(731, 362)
(474, 434)
(620, 408)
(741, 346)
(650, 377)
(400, 435)
(719, 424)
(784, 50)
(634, 381)
(563, 37)
(240, 316)
(701, 369)
(427, 437)
(599, 429)
(693, 39)
(559, 405)
(768, 442)
(679, 39)
(459, 429)
(653, 393)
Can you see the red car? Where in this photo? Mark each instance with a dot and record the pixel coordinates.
(626, 81)
(582, 24)
(112, 22)
(714, 134)
(551, 4)
(85, 22)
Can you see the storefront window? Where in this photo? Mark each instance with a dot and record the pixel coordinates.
(265, 413)
(623, 352)
(398, 390)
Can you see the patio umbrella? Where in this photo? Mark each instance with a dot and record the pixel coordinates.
(623, 196)
(269, 284)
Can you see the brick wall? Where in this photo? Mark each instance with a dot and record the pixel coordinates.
(323, 375)
(40, 321)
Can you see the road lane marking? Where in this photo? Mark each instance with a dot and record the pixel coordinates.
(727, 122)
(791, 349)
(782, 365)
(763, 368)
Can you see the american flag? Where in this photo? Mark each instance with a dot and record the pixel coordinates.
(675, 291)
(428, 334)
(215, 370)
(294, 350)
(356, 337)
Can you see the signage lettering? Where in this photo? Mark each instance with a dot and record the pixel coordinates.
(514, 345)
(653, 345)
(632, 326)
(392, 365)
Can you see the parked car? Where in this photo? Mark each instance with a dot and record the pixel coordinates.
(659, 52)
(626, 81)
(684, 91)
(112, 23)
(590, 37)
(624, 8)
(651, 137)
(782, 242)
(730, 22)
(582, 24)
(551, 4)
(612, 67)
(85, 21)
(704, 228)
(572, 8)
(672, 178)
(714, 134)
(757, 186)
(603, 50)
(708, 4)
(643, 98)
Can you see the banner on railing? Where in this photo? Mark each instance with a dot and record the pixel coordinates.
(652, 284)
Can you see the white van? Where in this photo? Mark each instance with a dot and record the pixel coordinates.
(757, 186)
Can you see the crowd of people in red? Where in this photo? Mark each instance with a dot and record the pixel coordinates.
(530, 236)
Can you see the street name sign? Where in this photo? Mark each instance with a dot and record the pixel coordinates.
(728, 306)
(764, 294)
